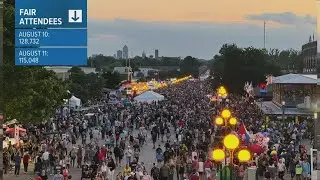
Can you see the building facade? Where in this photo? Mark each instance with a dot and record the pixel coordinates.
(119, 54)
(292, 89)
(122, 70)
(63, 73)
(125, 52)
(309, 57)
(145, 71)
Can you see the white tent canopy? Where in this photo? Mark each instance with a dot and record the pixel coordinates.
(149, 97)
(11, 122)
(74, 102)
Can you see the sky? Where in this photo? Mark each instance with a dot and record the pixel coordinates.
(179, 28)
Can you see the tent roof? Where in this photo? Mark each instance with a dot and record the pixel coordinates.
(74, 98)
(296, 79)
(149, 95)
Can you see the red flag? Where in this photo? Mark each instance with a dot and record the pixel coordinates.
(242, 129)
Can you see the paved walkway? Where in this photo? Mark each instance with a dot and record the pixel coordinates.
(147, 156)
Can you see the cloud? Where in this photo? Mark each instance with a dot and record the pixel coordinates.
(202, 40)
(286, 18)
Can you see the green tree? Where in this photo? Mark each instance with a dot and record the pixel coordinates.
(236, 65)
(31, 94)
(190, 66)
(111, 79)
(85, 86)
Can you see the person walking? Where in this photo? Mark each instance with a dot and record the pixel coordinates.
(164, 172)
(155, 172)
(112, 167)
(281, 169)
(17, 162)
(129, 154)
(26, 159)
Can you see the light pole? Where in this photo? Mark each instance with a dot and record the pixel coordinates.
(316, 144)
(222, 93)
(226, 114)
(283, 108)
(231, 142)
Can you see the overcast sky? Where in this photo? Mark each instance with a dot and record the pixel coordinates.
(186, 27)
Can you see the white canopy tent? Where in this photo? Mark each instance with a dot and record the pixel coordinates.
(11, 122)
(149, 97)
(74, 102)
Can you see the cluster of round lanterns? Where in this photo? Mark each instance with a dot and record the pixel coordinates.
(231, 141)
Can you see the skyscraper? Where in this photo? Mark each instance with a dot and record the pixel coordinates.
(119, 54)
(144, 54)
(156, 54)
(125, 52)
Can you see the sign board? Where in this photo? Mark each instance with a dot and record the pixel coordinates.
(50, 33)
(263, 88)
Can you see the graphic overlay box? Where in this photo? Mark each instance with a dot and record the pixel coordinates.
(58, 27)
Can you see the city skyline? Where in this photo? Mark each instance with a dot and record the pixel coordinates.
(198, 29)
(124, 53)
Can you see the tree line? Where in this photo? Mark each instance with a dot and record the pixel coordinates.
(235, 65)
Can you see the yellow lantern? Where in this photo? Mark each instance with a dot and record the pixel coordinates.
(219, 121)
(244, 155)
(231, 141)
(222, 90)
(226, 113)
(233, 121)
(218, 155)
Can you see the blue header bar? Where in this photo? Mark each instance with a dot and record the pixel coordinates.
(51, 14)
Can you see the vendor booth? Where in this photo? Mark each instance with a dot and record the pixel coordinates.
(149, 97)
(12, 130)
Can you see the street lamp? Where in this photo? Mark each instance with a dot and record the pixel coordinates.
(218, 155)
(222, 92)
(283, 105)
(226, 113)
(219, 121)
(230, 142)
(244, 155)
(233, 121)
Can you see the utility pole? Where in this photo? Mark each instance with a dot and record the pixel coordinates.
(264, 34)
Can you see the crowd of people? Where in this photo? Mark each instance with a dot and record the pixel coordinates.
(180, 128)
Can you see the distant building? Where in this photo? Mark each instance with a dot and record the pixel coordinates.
(125, 52)
(122, 70)
(119, 54)
(114, 56)
(63, 73)
(309, 56)
(144, 54)
(145, 71)
(156, 53)
(151, 56)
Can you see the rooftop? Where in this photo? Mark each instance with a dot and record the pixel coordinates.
(296, 79)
